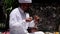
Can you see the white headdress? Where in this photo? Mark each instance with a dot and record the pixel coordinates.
(25, 1)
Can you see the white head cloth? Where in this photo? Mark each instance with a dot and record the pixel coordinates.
(25, 1)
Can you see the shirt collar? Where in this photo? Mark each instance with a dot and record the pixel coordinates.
(22, 11)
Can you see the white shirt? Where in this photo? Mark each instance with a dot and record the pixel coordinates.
(17, 22)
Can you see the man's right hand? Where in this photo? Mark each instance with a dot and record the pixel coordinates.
(29, 19)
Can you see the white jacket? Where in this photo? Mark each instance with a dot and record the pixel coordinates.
(17, 23)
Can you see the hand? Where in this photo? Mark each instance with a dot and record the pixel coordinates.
(29, 19)
(36, 18)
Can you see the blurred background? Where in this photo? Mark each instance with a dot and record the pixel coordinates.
(49, 13)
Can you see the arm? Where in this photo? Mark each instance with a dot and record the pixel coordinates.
(34, 22)
(13, 20)
(15, 24)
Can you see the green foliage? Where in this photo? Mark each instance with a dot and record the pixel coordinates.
(2, 25)
(7, 8)
(9, 5)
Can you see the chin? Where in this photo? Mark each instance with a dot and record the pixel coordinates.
(25, 9)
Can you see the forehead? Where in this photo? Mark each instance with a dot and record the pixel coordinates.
(26, 4)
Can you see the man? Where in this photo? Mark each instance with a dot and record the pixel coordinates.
(19, 18)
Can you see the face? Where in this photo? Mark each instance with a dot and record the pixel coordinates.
(25, 6)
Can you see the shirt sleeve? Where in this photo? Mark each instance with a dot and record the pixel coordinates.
(14, 23)
(31, 24)
(16, 20)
